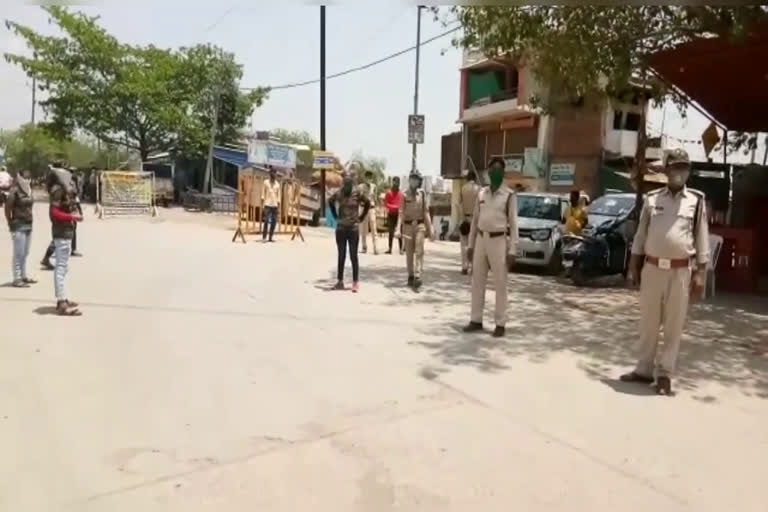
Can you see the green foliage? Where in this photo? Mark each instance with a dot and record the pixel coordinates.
(580, 51)
(144, 98)
(295, 137)
(30, 148)
(362, 164)
(34, 147)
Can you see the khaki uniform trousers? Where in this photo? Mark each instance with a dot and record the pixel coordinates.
(464, 241)
(414, 235)
(664, 296)
(369, 225)
(490, 253)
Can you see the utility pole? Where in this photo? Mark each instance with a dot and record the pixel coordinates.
(416, 84)
(209, 165)
(322, 107)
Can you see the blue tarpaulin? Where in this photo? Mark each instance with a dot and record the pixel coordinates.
(235, 157)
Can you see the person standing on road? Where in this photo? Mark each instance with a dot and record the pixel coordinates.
(672, 234)
(18, 213)
(64, 216)
(467, 199)
(414, 224)
(345, 205)
(368, 188)
(492, 244)
(78, 182)
(392, 201)
(270, 197)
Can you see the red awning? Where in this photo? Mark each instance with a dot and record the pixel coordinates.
(729, 79)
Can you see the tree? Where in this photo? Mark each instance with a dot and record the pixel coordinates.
(360, 163)
(146, 99)
(587, 50)
(295, 137)
(30, 148)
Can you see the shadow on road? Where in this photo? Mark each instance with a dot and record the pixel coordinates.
(724, 341)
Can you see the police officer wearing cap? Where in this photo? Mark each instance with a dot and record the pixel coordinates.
(467, 199)
(492, 245)
(414, 224)
(669, 259)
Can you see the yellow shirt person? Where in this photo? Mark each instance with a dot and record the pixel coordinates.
(576, 216)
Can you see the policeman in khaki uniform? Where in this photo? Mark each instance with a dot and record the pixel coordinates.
(672, 248)
(414, 224)
(467, 199)
(492, 244)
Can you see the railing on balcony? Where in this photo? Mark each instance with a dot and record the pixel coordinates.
(507, 94)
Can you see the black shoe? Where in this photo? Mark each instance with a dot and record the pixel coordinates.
(473, 327)
(464, 271)
(499, 332)
(411, 280)
(388, 252)
(47, 265)
(664, 386)
(636, 377)
(416, 285)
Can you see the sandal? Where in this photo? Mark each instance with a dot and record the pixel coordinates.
(636, 377)
(338, 286)
(63, 309)
(29, 280)
(72, 304)
(20, 284)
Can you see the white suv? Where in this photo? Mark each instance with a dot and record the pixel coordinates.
(540, 220)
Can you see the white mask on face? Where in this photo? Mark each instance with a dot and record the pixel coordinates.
(414, 182)
(678, 178)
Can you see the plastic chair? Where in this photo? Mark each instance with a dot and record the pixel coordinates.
(715, 245)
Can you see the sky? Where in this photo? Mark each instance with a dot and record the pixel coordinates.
(278, 43)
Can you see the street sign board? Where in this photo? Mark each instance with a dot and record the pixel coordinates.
(415, 129)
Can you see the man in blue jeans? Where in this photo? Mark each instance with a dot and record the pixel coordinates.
(18, 213)
(64, 215)
(270, 196)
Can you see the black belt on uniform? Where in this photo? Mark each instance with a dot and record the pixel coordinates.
(414, 221)
(492, 234)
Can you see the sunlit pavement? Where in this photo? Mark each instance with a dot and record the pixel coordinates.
(210, 375)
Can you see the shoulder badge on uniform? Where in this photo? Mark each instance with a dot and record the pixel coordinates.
(697, 193)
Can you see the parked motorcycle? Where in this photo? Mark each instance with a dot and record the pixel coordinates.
(601, 252)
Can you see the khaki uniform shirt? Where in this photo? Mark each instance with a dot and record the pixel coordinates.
(665, 228)
(271, 193)
(414, 205)
(369, 190)
(468, 197)
(492, 216)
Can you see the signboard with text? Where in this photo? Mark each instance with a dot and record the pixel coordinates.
(415, 129)
(561, 175)
(261, 152)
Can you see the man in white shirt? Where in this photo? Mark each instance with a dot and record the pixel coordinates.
(270, 197)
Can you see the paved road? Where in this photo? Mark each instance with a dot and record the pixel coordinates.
(210, 376)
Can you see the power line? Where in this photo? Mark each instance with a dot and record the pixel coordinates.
(220, 19)
(360, 68)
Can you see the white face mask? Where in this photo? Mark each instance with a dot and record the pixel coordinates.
(678, 178)
(414, 182)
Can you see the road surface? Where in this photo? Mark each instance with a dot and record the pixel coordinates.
(210, 376)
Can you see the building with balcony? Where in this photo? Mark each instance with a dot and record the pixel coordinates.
(543, 152)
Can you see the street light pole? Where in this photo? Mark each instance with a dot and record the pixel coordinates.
(416, 84)
(322, 107)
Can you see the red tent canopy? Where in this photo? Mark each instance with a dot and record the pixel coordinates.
(729, 79)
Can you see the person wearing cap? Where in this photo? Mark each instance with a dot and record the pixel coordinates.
(415, 224)
(492, 246)
(669, 260)
(467, 199)
(345, 205)
(368, 188)
(18, 213)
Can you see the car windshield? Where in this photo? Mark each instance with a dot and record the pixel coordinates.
(611, 206)
(539, 207)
